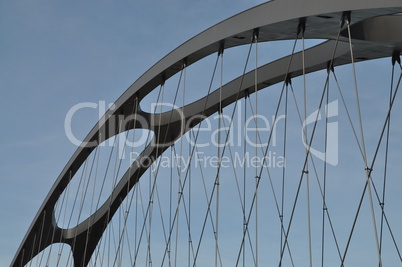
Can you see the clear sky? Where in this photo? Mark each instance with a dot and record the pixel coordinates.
(56, 54)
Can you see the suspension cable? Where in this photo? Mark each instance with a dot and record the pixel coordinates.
(316, 175)
(191, 156)
(371, 168)
(244, 176)
(382, 203)
(273, 191)
(309, 144)
(223, 150)
(153, 187)
(161, 92)
(255, 37)
(324, 207)
(362, 140)
(268, 144)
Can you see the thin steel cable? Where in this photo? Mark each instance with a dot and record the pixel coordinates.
(102, 187)
(273, 192)
(244, 179)
(281, 213)
(129, 247)
(317, 179)
(207, 198)
(263, 163)
(72, 210)
(170, 204)
(84, 193)
(180, 189)
(117, 166)
(189, 162)
(149, 217)
(40, 239)
(94, 187)
(242, 200)
(309, 145)
(303, 170)
(363, 145)
(32, 250)
(269, 139)
(144, 225)
(54, 228)
(219, 162)
(186, 177)
(146, 214)
(370, 170)
(348, 113)
(192, 153)
(153, 187)
(181, 192)
(256, 145)
(190, 242)
(121, 240)
(66, 192)
(161, 93)
(307, 168)
(382, 203)
(387, 222)
(223, 150)
(148, 136)
(324, 207)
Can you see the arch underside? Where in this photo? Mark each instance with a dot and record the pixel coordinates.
(376, 33)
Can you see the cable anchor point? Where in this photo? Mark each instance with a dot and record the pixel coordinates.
(256, 33)
(301, 27)
(330, 66)
(396, 57)
(221, 48)
(163, 79)
(288, 80)
(184, 63)
(246, 93)
(346, 17)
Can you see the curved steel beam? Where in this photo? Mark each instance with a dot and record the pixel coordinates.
(175, 124)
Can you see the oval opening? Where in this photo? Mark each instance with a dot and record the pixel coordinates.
(95, 180)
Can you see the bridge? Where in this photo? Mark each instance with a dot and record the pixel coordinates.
(159, 200)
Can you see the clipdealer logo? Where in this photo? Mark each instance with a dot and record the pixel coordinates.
(330, 155)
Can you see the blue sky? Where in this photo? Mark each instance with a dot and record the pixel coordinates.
(56, 54)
